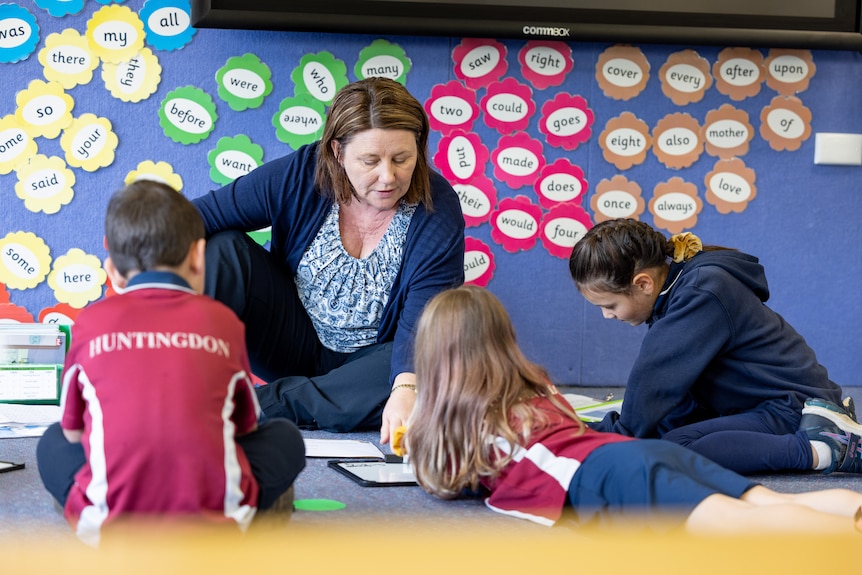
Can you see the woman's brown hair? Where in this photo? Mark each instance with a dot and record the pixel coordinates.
(364, 105)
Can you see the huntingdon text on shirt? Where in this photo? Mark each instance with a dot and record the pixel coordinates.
(119, 341)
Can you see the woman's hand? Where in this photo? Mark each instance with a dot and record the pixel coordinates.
(399, 406)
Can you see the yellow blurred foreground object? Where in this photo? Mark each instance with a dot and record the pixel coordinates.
(422, 546)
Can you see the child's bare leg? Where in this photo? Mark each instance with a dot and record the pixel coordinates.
(722, 514)
(843, 502)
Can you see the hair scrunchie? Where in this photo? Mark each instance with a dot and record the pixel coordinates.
(685, 246)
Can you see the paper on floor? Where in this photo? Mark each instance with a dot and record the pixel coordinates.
(341, 448)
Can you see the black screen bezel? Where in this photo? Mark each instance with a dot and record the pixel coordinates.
(530, 21)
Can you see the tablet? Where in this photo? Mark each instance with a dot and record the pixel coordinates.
(375, 473)
(10, 466)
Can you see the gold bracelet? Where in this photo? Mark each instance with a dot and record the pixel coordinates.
(400, 385)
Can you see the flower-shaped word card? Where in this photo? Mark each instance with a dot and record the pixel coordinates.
(478, 262)
(675, 205)
(45, 184)
(730, 186)
(383, 59)
(617, 197)
(479, 62)
(67, 59)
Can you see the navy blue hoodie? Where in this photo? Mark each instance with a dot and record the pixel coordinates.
(714, 348)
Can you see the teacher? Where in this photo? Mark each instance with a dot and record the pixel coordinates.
(364, 233)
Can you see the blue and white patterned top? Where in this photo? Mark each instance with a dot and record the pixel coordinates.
(343, 295)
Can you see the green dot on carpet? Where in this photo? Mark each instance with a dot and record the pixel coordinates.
(318, 505)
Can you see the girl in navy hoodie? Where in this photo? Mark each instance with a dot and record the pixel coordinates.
(718, 371)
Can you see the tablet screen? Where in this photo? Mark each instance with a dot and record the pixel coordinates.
(376, 473)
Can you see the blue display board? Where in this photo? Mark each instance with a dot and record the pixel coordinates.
(540, 138)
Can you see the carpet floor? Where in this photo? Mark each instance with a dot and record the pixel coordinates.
(26, 508)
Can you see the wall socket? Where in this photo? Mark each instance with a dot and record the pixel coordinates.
(834, 149)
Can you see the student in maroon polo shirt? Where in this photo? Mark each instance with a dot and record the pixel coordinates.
(159, 413)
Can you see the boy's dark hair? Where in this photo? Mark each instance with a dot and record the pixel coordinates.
(149, 224)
